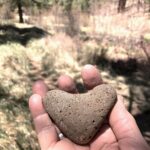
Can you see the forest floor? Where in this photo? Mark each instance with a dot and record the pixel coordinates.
(118, 44)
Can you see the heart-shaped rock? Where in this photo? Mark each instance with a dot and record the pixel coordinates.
(79, 116)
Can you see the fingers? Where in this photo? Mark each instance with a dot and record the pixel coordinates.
(45, 129)
(105, 137)
(67, 84)
(39, 87)
(91, 76)
(123, 124)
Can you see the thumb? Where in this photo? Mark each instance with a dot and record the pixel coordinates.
(124, 126)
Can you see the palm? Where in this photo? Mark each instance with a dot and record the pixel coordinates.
(121, 132)
(96, 144)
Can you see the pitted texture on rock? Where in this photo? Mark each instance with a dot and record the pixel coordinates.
(80, 116)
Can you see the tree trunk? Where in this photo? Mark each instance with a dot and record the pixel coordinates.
(121, 6)
(20, 11)
(72, 28)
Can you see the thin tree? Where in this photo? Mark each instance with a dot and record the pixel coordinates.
(20, 11)
(121, 5)
(72, 25)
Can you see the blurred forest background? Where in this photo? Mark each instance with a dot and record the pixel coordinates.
(41, 39)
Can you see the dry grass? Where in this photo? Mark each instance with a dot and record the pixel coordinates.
(20, 66)
(104, 33)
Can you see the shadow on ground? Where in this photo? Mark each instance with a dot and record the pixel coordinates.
(11, 33)
(137, 77)
(143, 121)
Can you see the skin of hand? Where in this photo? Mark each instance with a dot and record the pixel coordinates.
(120, 133)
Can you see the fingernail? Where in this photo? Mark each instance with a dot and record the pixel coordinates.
(35, 97)
(88, 66)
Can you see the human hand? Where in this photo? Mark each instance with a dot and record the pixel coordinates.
(120, 133)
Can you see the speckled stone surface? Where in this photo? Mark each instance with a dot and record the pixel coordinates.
(80, 116)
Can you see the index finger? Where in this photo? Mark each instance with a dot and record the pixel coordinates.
(40, 88)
